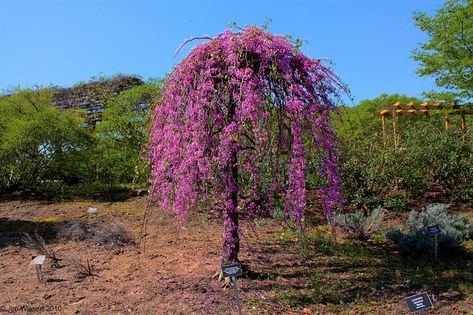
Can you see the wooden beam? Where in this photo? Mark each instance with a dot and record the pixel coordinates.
(462, 112)
(417, 111)
(426, 105)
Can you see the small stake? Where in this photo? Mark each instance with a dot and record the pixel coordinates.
(235, 290)
(39, 274)
(434, 230)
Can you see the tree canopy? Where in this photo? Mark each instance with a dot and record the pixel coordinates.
(448, 53)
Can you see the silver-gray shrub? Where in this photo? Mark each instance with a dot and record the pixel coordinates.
(414, 238)
(360, 224)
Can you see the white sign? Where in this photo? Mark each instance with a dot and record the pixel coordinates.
(92, 210)
(38, 260)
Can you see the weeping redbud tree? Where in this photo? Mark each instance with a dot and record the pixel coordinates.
(233, 123)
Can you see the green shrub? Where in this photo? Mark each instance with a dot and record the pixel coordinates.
(395, 203)
(362, 225)
(373, 175)
(415, 240)
(39, 144)
(452, 166)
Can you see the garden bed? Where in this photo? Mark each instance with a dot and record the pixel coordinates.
(172, 273)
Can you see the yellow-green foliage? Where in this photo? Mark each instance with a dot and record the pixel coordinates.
(38, 142)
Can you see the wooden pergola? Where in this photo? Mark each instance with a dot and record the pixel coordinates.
(408, 110)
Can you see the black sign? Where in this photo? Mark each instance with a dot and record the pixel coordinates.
(233, 270)
(418, 302)
(434, 229)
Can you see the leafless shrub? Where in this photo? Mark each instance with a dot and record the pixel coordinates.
(37, 243)
(74, 231)
(106, 235)
(113, 235)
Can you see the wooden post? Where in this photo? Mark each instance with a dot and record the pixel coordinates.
(463, 126)
(385, 137)
(463, 121)
(447, 120)
(394, 129)
(397, 132)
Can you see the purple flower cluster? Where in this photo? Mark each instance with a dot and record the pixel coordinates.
(232, 112)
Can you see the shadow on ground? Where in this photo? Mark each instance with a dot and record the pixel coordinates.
(114, 195)
(352, 273)
(12, 231)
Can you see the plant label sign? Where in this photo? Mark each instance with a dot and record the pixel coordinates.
(92, 210)
(231, 271)
(418, 302)
(37, 262)
(434, 229)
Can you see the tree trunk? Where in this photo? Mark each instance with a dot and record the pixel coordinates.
(231, 240)
(231, 237)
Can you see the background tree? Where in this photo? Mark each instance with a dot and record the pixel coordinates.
(448, 53)
(235, 110)
(123, 134)
(38, 142)
(48, 144)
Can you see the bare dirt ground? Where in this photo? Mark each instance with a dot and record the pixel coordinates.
(170, 272)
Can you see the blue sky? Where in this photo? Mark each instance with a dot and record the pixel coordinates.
(62, 42)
